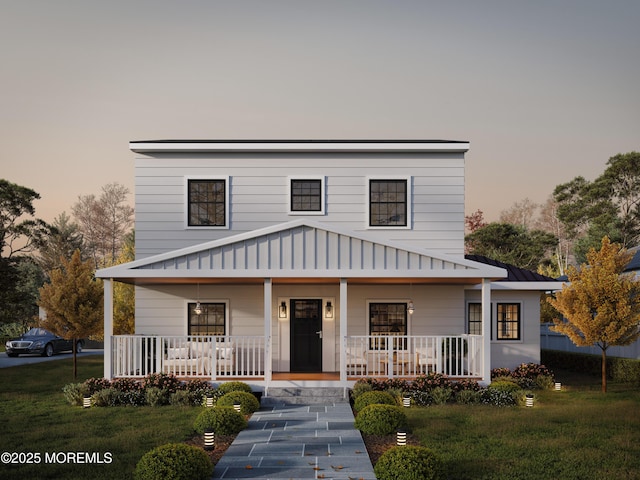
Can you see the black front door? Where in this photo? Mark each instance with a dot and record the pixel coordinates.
(306, 335)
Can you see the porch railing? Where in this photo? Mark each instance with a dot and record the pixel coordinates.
(409, 356)
(211, 357)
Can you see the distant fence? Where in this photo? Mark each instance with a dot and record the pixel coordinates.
(557, 341)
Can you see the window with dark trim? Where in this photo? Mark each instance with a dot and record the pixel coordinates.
(387, 319)
(207, 203)
(508, 322)
(387, 203)
(306, 195)
(212, 320)
(474, 319)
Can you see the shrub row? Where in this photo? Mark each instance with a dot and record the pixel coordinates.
(157, 389)
(507, 388)
(624, 370)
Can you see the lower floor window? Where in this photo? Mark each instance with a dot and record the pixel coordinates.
(508, 321)
(474, 318)
(387, 319)
(210, 321)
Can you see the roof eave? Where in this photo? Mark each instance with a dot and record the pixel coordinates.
(310, 146)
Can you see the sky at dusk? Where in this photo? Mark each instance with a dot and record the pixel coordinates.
(544, 91)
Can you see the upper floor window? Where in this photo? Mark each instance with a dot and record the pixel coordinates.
(508, 321)
(207, 202)
(389, 202)
(306, 195)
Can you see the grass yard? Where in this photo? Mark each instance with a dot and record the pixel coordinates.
(36, 419)
(578, 433)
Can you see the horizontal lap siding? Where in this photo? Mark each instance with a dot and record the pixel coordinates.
(259, 196)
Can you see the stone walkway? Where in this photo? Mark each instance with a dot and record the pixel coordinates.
(298, 442)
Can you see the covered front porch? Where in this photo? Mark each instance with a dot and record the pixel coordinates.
(301, 298)
(243, 357)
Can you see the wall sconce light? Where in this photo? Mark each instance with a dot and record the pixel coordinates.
(410, 307)
(282, 310)
(198, 309)
(328, 310)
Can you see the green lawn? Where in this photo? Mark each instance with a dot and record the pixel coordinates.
(36, 419)
(578, 433)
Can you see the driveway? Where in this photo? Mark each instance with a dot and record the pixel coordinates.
(29, 359)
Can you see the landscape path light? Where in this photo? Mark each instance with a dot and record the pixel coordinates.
(401, 438)
(209, 439)
(86, 401)
(529, 400)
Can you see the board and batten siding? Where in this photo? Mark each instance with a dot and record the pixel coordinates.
(259, 195)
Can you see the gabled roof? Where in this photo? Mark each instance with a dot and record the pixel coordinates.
(302, 249)
(518, 278)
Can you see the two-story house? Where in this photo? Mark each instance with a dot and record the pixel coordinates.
(314, 262)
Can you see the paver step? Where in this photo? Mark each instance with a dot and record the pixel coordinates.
(303, 396)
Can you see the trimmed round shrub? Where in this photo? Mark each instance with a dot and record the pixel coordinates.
(372, 398)
(248, 402)
(380, 419)
(228, 387)
(223, 420)
(359, 388)
(409, 463)
(174, 461)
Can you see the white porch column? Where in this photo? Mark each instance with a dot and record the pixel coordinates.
(108, 326)
(343, 329)
(486, 331)
(267, 331)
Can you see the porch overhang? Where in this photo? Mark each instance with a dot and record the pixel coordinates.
(302, 250)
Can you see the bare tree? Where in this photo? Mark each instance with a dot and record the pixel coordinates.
(520, 213)
(104, 221)
(548, 221)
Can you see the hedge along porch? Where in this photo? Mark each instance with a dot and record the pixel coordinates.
(301, 297)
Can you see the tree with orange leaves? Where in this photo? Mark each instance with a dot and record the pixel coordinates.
(601, 305)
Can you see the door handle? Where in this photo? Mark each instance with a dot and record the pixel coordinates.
(319, 333)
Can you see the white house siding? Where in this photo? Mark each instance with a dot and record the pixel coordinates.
(511, 353)
(162, 310)
(259, 195)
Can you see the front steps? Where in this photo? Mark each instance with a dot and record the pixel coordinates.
(304, 396)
